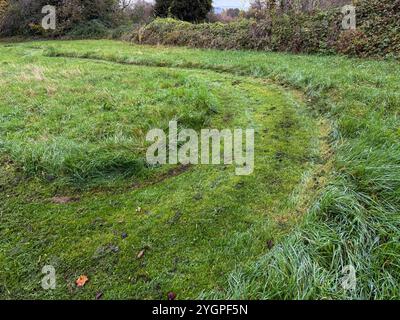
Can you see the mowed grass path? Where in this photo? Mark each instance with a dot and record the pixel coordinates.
(355, 221)
(75, 125)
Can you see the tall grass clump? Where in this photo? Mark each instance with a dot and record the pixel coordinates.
(356, 219)
(99, 131)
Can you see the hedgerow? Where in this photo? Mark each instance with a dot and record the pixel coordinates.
(377, 32)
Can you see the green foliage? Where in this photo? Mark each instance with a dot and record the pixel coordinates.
(281, 33)
(286, 29)
(98, 10)
(120, 31)
(24, 16)
(379, 21)
(89, 29)
(193, 11)
(377, 33)
(161, 8)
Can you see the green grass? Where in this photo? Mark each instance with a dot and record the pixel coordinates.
(206, 230)
(72, 127)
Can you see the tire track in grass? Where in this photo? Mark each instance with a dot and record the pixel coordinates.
(194, 220)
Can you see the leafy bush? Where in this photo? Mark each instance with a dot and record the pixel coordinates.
(194, 10)
(277, 33)
(23, 17)
(352, 42)
(380, 21)
(377, 33)
(89, 29)
(120, 31)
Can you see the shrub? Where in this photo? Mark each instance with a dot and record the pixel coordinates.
(194, 10)
(23, 17)
(380, 21)
(89, 29)
(120, 31)
(377, 33)
(161, 8)
(353, 42)
(277, 33)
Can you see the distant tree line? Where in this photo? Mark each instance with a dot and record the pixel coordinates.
(23, 17)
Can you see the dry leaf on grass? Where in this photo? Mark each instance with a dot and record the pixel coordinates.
(81, 281)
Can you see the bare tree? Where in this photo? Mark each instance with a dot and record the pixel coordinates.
(297, 5)
(124, 4)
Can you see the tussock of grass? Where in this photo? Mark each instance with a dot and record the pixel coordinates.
(89, 125)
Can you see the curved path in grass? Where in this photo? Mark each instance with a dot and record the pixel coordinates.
(203, 232)
(86, 203)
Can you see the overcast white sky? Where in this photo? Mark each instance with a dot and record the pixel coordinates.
(231, 3)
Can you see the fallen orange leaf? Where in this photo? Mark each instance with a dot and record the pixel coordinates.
(81, 281)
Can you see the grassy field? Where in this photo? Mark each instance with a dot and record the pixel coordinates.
(324, 194)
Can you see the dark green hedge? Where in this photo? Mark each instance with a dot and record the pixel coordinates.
(379, 22)
(377, 33)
